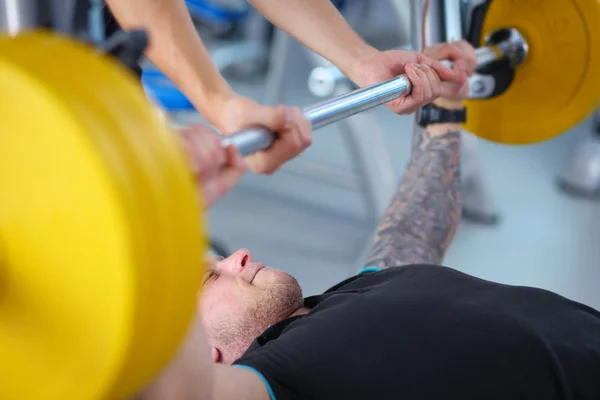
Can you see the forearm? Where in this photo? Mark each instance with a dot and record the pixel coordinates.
(189, 376)
(192, 375)
(176, 49)
(320, 27)
(424, 214)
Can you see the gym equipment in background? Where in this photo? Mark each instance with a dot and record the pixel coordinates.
(581, 176)
(242, 35)
(221, 16)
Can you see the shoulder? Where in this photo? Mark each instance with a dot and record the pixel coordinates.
(249, 383)
(407, 269)
(377, 273)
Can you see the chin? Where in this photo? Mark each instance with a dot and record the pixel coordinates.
(268, 278)
(275, 276)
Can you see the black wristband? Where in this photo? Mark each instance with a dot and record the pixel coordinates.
(431, 114)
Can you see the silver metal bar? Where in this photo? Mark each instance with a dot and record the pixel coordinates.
(417, 10)
(18, 15)
(357, 101)
(486, 55)
(252, 140)
(403, 11)
(452, 20)
(433, 28)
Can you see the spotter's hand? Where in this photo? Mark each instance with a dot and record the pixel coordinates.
(294, 131)
(215, 168)
(462, 54)
(425, 73)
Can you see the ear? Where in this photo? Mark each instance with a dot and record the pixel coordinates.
(216, 355)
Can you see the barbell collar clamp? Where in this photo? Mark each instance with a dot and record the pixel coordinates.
(481, 86)
(510, 44)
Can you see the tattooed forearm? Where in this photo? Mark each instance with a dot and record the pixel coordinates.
(423, 216)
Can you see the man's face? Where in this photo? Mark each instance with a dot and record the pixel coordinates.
(240, 299)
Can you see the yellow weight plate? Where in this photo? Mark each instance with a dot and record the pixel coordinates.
(559, 83)
(101, 249)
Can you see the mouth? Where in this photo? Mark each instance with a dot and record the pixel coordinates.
(256, 271)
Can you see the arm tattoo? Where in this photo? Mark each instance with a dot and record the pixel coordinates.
(424, 214)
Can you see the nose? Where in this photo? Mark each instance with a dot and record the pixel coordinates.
(235, 263)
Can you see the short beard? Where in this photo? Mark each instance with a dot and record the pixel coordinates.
(276, 304)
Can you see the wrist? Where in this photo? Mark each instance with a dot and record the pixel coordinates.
(442, 116)
(449, 104)
(211, 104)
(355, 61)
(438, 130)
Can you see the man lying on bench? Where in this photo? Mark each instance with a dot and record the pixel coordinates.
(405, 327)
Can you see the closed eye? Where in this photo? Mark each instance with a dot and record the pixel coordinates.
(210, 277)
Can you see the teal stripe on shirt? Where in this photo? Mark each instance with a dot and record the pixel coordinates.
(368, 269)
(262, 378)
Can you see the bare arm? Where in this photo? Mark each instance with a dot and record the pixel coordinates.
(177, 50)
(423, 216)
(320, 27)
(193, 376)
